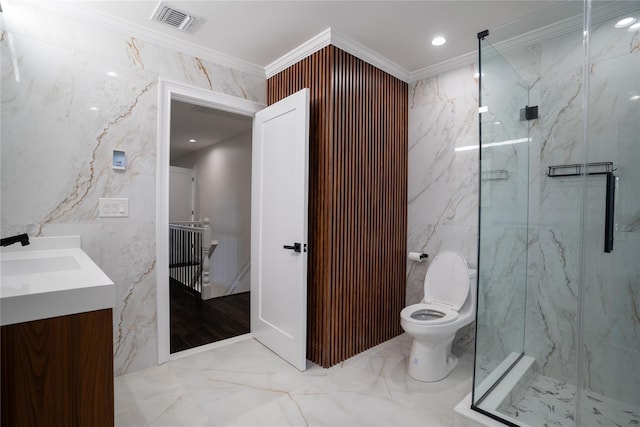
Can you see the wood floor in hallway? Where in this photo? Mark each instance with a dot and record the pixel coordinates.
(195, 322)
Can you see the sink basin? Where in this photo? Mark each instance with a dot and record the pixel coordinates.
(12, 267)
(51, 277)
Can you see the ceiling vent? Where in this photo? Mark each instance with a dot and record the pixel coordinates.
(170, 16)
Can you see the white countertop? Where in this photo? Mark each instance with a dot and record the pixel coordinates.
(50, 277)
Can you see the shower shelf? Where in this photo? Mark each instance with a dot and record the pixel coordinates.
(495, 175)
(598, 168)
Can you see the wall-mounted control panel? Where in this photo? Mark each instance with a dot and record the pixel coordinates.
(119, 161)
(113, 208)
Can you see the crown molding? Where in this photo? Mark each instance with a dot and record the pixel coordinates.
(341, 41)
(299, 53)
(155, 37)
(361, 51)
(444, 66)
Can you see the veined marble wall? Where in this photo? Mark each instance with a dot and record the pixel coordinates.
(443, 183)
(611, 320)
(73, 92)
(610, 282)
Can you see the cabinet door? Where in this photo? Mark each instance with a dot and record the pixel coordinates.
(58, 372)
(93, 368)
(36, 374)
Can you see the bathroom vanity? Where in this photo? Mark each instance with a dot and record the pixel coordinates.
(56, 336)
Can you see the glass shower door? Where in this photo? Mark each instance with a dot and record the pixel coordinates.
(504, 194)
(609, 391)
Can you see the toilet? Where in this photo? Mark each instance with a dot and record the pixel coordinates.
(449, 304)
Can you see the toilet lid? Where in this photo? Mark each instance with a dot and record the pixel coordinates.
(447, 280)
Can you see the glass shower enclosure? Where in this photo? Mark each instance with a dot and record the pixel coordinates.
(558, 319)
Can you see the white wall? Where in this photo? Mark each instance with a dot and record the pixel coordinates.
(181, 194)
(223, 194)
(56, 152)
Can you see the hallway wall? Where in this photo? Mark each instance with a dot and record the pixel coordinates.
(223, 194)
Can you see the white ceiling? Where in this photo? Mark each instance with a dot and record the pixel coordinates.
(261, 32)
(207, 126)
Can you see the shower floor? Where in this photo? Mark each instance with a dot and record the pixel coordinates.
(545, 401)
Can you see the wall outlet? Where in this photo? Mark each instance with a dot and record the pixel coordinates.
(113, 208)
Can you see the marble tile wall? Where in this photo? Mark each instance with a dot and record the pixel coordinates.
(608, 282)
(443, 183)
(62, 116)
(503, 211)
(554, 69)
(611, 302)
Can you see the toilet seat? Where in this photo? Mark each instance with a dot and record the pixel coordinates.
(447, 281)
(446, 287)
(448, 315)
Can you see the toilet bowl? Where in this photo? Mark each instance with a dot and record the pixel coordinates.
(449, 304)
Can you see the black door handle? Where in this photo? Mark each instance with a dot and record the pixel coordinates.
(296, 247)
(609, 218)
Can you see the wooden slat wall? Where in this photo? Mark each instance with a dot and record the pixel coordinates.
(357, 201)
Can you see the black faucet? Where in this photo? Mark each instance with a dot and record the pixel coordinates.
(22, 238)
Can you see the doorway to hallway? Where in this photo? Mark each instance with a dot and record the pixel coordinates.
(209, 198)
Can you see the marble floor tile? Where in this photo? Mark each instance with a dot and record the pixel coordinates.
(245, 384)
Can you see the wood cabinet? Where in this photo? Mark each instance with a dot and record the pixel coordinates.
(58, 371)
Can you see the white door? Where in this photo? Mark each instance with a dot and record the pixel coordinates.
(181, 184)
(279, 182)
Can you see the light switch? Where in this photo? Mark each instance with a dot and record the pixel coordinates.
(113, 208)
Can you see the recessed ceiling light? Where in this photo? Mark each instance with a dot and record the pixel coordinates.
(625, 22)
(94, 109)
(112, 74)
(192, 140)
(635, 27)
(438, 41)
(634, 98)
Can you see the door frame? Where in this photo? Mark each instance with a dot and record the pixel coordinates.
(169, 90)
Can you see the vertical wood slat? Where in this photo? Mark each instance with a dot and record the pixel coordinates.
(357, 201)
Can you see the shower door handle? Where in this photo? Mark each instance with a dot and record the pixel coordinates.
(609, 217)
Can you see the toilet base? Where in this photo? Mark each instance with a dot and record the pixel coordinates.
(431, 363)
